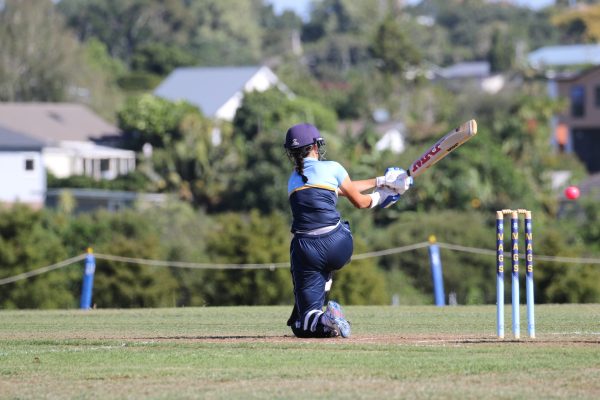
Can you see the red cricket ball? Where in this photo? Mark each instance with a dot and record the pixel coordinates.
(572, 192)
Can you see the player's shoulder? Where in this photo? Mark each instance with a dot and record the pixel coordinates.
(335, 169)
(330, 164)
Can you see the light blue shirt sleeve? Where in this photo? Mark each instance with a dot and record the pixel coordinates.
(339, 172)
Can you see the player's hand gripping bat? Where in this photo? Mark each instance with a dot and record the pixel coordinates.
(445, 145)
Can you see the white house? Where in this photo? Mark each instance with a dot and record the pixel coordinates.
(217, 91)
(22, 173)
(87, 158)
(75, 140)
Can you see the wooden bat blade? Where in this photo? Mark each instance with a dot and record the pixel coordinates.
(443, 147)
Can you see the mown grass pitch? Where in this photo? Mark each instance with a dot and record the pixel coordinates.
(248, 352)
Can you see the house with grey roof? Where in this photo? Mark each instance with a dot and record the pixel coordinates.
(467, 69)
(564, 56)
(217, 91)
(475, 73)
(22, 172)
(75, 140)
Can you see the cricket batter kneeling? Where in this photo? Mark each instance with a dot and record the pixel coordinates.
(322, 242)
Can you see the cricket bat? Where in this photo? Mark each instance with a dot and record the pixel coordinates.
(443, 147)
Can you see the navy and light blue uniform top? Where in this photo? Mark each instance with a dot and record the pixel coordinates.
(313, 203)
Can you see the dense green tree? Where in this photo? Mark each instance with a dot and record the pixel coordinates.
(126, 25)
(392, 48)
(150, 64)
(469, 26)
(186, 157)
(127, 234)
(38, 55)
(97, 79)
(227, 32)
(160, 58)
(183, 231)
(26, 244)
(337, 36)
(344, 16)
(558, 282)
(502, 52)
(578, 25)
(153, 120)
(246, 239)
(281, 33)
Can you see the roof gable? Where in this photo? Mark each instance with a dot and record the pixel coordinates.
(468, 69)
(14, 141)
(208, 88)
(55, 122)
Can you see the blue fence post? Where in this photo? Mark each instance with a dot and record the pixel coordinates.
(436, 272)
(88, 280)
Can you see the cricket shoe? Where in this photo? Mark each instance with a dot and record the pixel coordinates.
(333, 317)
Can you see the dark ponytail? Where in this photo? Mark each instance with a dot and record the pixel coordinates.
(298, 156)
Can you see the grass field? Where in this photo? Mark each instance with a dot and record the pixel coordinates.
(248, 352)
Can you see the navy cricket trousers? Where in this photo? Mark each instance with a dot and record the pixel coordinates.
(313, 259)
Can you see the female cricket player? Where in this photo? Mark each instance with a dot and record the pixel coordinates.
(322, 242)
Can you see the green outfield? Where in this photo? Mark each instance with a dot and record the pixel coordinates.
(247, 352)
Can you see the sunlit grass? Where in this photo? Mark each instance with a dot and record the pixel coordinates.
(248, 352)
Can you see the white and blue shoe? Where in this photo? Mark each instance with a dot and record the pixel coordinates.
(333, 317)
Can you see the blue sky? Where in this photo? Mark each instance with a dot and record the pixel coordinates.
(301, 6)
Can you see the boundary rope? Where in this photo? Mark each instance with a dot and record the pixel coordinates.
(42, 270)
(192, 265)
(272, 266)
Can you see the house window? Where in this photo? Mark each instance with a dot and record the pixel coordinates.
(597, 97)
(29, 164)
(104, 165)
(577, 101)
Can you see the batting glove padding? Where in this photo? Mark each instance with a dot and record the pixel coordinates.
(383, 197)
(395, 179)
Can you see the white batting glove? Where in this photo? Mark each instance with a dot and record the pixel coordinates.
(390, 176)
(395, 179)
(383, 197)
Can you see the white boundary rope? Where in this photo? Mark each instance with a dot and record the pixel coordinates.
(183, 264)
(395, 250)
(272, 266)
(42, 270)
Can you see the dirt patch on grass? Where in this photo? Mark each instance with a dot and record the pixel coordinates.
(413, 340)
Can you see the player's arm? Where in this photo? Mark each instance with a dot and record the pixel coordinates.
(389, 187)
(352, 190)
(382, 196)
(361, 186)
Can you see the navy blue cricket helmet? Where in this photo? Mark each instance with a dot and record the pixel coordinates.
(302, 135)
